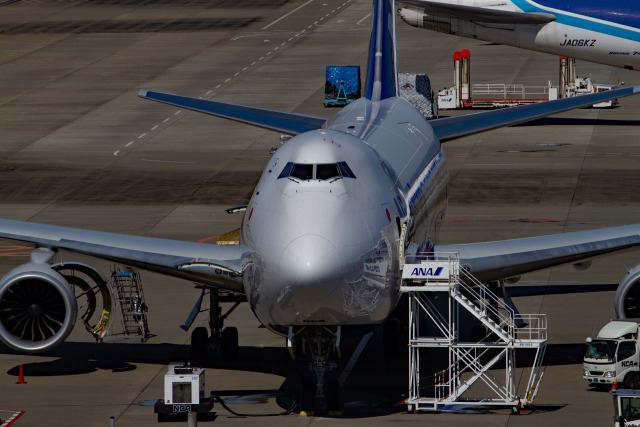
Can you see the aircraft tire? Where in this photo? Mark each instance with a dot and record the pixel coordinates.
(333, 397)
(199, 338)
(390, 335)
(229, 344)
(307, 396)
(321, 407)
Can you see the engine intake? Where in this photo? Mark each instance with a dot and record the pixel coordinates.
(628, 295)
(37, 307)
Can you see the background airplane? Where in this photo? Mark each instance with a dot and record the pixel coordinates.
(329, 201)
(592, 30)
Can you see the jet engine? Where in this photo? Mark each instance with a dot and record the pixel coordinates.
(37, 306)
(628, 295)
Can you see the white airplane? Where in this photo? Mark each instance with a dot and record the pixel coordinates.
(603, 32)
(331, 202)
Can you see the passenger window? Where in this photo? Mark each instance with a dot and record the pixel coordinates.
(327, 171)
(626, 350)
(302, 171)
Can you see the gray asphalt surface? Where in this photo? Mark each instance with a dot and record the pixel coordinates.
(79, 148)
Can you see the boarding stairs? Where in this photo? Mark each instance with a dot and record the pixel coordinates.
(130, 300)
(434, 322)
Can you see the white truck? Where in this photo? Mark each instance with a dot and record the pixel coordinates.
(613, 356)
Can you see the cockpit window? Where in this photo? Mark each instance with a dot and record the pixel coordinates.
(302, 171)
(345, 171)
(321, 171)
(327, 171)
(286, 171)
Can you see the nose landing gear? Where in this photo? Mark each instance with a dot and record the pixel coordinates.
(318, 348)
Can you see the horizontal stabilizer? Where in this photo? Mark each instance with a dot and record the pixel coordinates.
(459, 126)
(287, 123)
(480, 14)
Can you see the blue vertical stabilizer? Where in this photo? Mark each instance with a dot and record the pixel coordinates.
(382, 68)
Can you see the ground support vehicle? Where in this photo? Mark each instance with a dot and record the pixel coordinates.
(612, 357)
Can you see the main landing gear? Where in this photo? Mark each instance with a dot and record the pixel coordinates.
(223, 340)
(318, 349)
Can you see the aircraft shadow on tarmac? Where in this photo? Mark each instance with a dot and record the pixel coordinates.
(375, 387)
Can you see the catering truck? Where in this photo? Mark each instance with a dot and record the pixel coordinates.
(613, 356)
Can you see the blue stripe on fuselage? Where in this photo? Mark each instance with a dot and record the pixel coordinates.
(617, 12)
(623, 12)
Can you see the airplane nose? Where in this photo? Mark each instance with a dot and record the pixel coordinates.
(311, 259)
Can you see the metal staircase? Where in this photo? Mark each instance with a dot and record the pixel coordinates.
(130, 299)
(425, 278)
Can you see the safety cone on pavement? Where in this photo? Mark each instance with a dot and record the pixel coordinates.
(21, 377)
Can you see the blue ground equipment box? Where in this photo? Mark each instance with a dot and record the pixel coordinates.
(342, 86)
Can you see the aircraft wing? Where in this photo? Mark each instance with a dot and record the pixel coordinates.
(456, 127)
(214, 265)
(480, 14)
(489, 261)
(287, 123)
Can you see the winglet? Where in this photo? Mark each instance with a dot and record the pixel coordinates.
(382, 69)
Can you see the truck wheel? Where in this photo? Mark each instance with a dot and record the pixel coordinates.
(628, 381)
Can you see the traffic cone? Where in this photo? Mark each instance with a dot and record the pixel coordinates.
(21, 377)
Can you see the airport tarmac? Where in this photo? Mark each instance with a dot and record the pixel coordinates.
(79, 148)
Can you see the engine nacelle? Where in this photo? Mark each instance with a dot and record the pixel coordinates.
(430, 21)
(412, 17)
(628, 295)
(37, 308)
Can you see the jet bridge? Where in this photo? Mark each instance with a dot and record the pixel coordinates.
(439, 290)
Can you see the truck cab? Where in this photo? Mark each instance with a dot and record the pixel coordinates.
(626, 407)
(613, 356)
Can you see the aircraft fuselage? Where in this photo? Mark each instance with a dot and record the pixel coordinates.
(326, 217)
(589, 30)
